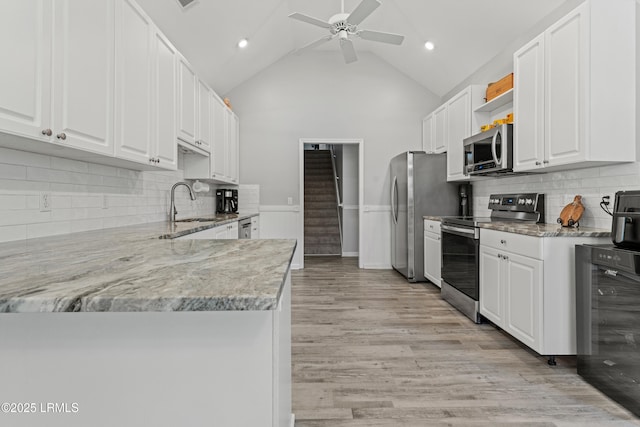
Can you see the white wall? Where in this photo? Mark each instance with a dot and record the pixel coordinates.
(315, 95)
(78, 191)
(349, 180)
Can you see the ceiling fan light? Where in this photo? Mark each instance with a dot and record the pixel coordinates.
(243, 43)
(429, 45)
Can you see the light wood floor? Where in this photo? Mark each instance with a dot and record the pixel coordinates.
(371, 349)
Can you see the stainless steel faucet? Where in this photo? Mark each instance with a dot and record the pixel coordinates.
(172, 209)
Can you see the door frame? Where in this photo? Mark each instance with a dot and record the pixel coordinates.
(333, 141)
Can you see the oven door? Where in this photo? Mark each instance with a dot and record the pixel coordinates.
(460, 253)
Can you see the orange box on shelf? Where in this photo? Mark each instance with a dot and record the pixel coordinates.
(501, 86)
(510, 118)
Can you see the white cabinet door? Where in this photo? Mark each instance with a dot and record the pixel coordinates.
(233, 144)
(219, 158)
(458, 128)
(133, 83)
(491, 286)
(205, 117)
(523, 295)
(255, 227)
(440, 129)
(25, 75)
(165, 102)
(83, 69)
(528, 147)
(186, 102)
(427, 134)
(433, 258)
(566, 63)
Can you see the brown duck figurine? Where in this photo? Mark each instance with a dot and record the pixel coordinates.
(572, 213)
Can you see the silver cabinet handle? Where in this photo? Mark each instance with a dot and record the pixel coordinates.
(538, 163)
(503, 242)
(545, 162)
(47, 132)
(499, 256)
(61, 136)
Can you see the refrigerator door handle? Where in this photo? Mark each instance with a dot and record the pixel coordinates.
(394, 201)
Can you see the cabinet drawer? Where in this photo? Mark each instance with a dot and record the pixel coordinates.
(431, 226)
(515, 243)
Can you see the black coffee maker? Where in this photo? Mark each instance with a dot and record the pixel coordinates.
(465, 201)
(226, 201)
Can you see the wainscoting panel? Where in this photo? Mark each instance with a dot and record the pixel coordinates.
(376, 239)
(282, 222)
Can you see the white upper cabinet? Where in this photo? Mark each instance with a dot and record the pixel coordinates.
(427, 134)
(79, 51)
(440, 129)
(233, 144)
(575, 97)
(460, 125)
(529, 105)
(25, 79)
(133, 83)
(164, 93)
(83, 69)
(187, 100)
(220, 146)
(205, 117)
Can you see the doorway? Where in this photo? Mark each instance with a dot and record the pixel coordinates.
(350, 155)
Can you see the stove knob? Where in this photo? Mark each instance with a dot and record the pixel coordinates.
(529, 201)
(521, 201)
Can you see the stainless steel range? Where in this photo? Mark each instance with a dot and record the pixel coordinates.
(461, 246)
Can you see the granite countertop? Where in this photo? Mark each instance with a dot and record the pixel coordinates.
(538, 230)
(546, 230)
(129, 269)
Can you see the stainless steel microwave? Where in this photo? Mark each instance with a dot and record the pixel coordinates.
(489, 152)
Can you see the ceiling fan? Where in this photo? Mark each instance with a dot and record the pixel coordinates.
(343, 25)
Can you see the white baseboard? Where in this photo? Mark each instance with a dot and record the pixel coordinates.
(378, 266)
(350, 254)
(293, 420)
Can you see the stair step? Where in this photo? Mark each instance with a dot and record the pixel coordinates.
(320, 222)
(322, 249)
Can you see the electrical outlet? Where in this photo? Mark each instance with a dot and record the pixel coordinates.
(45, 202)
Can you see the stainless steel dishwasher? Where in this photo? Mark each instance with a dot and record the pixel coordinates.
(244, 228)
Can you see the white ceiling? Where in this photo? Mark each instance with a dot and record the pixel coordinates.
(467, 33)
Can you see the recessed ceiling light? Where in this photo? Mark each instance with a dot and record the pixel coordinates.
(243, 43)
(429, 46)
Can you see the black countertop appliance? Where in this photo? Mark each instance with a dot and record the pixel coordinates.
(226, 201)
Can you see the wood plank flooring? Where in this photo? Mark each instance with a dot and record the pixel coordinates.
(371, 349)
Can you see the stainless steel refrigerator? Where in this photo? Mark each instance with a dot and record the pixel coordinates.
(418, 187)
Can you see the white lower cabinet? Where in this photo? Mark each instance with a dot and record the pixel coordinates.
(255, 227)
(432, 252)
(527, 288)
(221, 232)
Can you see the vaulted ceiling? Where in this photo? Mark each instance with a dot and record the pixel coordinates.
(467, 33)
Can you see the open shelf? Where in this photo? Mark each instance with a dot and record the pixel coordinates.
(496, 102)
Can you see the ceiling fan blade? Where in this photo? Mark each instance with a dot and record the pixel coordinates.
(313, 44)
(364, 9)
(310, 20)
(348, 51)
(378, 36)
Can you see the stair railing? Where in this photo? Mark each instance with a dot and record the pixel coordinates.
(336, 180)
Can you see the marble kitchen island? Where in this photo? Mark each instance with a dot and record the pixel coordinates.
(119, 327)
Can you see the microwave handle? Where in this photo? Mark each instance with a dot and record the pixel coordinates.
(494, 153)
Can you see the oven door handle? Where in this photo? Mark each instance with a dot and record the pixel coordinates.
(459, 231)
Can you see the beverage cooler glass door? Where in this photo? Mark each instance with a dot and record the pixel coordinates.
(613, 362)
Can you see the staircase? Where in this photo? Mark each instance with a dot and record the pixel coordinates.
(321, 226)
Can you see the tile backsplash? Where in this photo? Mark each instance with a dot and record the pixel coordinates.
(560, 188)
(84, 196)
